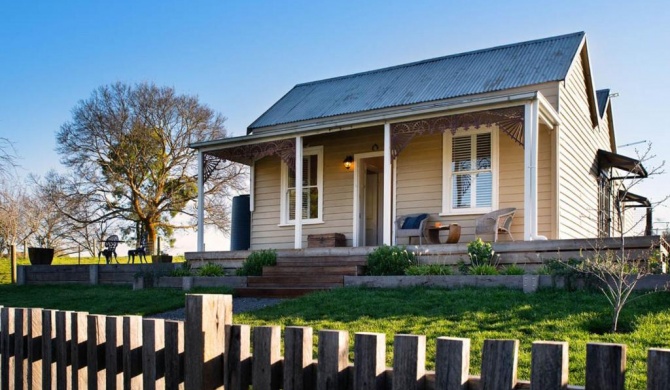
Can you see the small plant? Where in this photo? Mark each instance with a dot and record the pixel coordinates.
(483, 269)
(481, 252)
(183, 270)
(390, 260)
(513, 270)
(428, 269)
(253, 265)
(211, 269)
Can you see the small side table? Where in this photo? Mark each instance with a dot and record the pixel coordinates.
(454, 233)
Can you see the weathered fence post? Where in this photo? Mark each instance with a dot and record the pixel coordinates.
(153, 341)
(79, 335)
(113, 352)
(298, 362)
(452, 363)
(132, 352)
(409, 361)
(333, 358)
(34, 348)
(370, 361)
(549, 365)
(238, 362)
(12, 262)
(499, 364)
(605, 366)
(48, 349)
(21, 380)
(6, 339)
(658, 368)
(204, 340)
(266, 371)
(174, 355)
(63, 350)
(95, 352)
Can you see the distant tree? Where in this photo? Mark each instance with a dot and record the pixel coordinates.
(7, 158)
(128, 148)
(18, 215)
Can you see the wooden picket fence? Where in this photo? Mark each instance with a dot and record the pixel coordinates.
(50, 349)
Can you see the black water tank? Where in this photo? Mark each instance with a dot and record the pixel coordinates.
(240, 229)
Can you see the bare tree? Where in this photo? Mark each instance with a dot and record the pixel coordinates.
(618, 272)
(128, 148)
(19, 218)
(7, 158)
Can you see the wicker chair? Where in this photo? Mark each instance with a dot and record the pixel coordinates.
(417, 228)
(496, 222)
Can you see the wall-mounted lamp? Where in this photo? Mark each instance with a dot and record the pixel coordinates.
(348, 162)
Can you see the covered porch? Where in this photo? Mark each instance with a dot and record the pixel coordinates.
(517, 117)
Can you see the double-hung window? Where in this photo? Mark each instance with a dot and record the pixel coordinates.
(312, 188)
(470, 172)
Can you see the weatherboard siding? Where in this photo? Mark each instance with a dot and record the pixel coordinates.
(337, 190)
(579, 142)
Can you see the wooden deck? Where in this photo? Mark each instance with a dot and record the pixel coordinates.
(300, 271)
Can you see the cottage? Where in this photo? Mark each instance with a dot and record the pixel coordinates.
(518, 126)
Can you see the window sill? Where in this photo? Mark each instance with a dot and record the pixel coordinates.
(475, 212)
(307, 222)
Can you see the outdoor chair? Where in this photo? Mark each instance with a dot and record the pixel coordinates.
(499, 221)
(110, 249)
(411, 225)
(140, 251)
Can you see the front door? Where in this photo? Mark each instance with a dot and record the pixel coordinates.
(369, 199)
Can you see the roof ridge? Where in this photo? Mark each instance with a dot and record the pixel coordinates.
(462, 54)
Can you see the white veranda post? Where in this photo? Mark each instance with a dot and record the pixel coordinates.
(201, 203)
(531, 134)
(298, 192)
(388, 226)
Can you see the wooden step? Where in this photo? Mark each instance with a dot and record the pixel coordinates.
(296, 281)
(275, 292)
(282, 270)
(322, 261)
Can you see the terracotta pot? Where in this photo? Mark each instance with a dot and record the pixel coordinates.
(41, 256)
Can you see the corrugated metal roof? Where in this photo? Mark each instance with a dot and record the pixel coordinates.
(476, 72)
(603, 96)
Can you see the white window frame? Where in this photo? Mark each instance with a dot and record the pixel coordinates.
(447, 141)
(283, 196)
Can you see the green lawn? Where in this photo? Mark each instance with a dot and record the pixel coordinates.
(483, 314)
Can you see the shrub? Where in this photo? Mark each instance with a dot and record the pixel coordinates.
(390, 260)
(183, 270)
(513, 270)
(253, 265)
(481, 253)
(483, 269)
(428, 269)
(211, 269)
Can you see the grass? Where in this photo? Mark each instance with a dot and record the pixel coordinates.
(110, 300)
(557, 315)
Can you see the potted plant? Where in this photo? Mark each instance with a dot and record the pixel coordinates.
(42, 255)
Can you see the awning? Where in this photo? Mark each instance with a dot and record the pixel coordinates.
(630, 200)
(608, 160)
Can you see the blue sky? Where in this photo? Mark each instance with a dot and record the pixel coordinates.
(239, 57)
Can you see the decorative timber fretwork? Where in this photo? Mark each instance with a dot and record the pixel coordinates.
(247, 154)
(509, 121)
(210, 163)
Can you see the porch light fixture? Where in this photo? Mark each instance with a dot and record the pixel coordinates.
(348, 162)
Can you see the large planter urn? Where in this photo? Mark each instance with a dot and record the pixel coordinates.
(40, 256)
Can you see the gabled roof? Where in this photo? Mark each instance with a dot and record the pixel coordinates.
(481, 71)
(603, 97)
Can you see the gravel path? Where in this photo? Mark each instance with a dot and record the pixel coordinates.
(240, 305)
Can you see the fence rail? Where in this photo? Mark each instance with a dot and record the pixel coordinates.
(52, 349)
